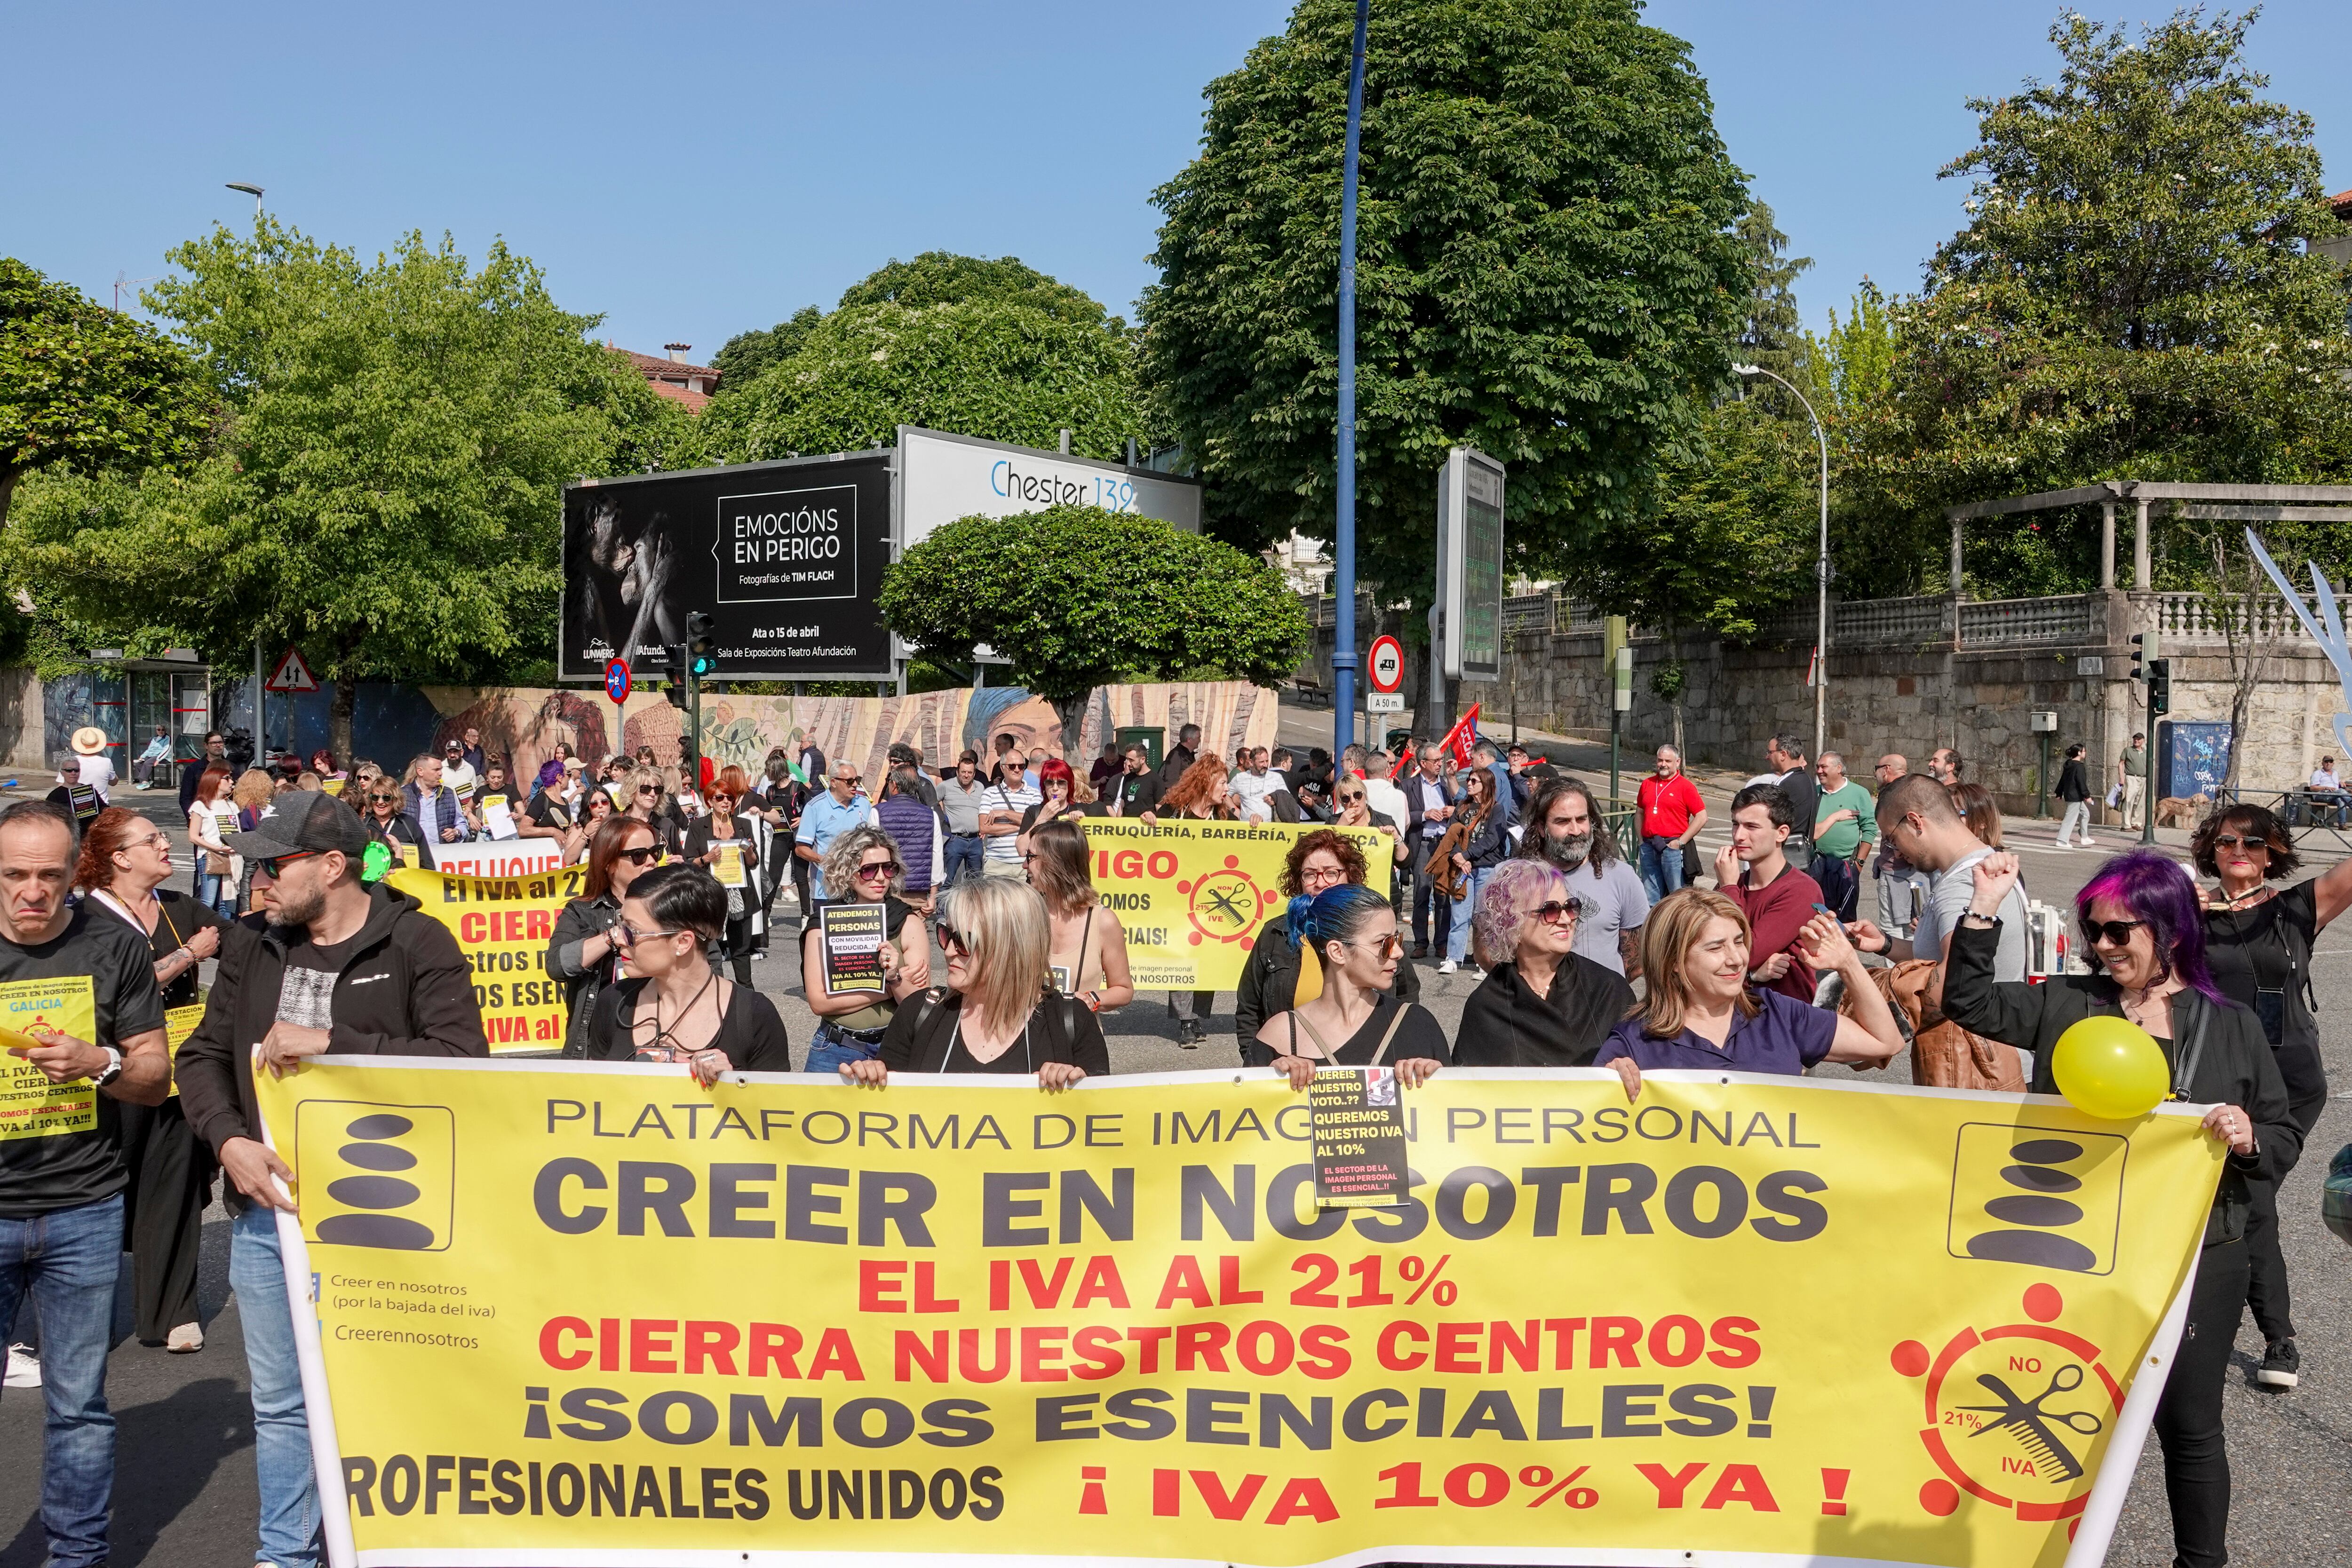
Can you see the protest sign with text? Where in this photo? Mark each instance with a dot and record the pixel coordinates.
(504, 924)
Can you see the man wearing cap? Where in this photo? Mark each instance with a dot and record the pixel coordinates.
(457, 771)
(342, 966)
(89, 743)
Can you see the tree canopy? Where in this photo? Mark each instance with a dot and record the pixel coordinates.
(83, 389)
(1077, 597)
(1546, 270)
(746, 354)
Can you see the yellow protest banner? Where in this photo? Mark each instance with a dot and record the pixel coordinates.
(574, 1313)
(504, 923)
(1194, 894)
(30, 1105)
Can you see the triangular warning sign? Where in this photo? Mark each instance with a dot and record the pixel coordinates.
(293, 674)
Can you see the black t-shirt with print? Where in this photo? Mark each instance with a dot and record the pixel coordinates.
(66, 1170)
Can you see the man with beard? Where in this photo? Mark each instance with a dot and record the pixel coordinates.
(343, 966)
(1565, 829)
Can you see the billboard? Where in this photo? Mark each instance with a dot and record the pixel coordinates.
(786, 557)
(943, 477)
(1470, 563)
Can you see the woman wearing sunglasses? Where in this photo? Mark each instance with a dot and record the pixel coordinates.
(1058, 786)
(720, 841)
(2258, 940)
(998, 1013)
(388, 823)
(674, 1007)
(125, 860)
(2144, 936)
(645, 798)
(583, 953)
(1541, 1004)
(1356, 1019)
(1088, 959)
(1476, 844)
(1269, 983)
(862, 866)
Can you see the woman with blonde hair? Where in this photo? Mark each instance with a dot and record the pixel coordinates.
(862, 866)
(1089, 945)
(1700, 1010)
(998, 1014)
(644, 797)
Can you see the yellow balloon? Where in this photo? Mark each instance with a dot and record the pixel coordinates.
(2111, 1068)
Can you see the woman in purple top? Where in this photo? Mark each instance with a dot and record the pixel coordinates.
(1701, 1011)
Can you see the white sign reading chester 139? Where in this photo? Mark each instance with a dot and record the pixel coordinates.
(943, 477)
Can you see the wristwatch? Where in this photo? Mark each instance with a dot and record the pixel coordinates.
(113, 1068)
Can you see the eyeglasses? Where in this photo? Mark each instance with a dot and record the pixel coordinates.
(643, 854)
(383, 799)
(649, 789)
(1350, 797)
(1321, 879)
(849, 779)
(951, 937)
(884, 870)
(1378, 944)
(1553, 912)
(268, 865)
(2114, 933)
(2233, 841)
(630, 935)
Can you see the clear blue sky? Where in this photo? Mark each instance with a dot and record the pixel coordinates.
(691, 172)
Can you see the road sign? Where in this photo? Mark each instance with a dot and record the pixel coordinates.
(1384, 702)
(1384, 668)
(293, 674)
(616, 679)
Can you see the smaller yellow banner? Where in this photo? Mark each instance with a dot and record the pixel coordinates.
(504, 925)
(30, 1105)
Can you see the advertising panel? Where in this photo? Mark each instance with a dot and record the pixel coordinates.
(944, 477)
(1470, 563)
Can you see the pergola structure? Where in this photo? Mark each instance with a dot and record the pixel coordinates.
(2234, 503)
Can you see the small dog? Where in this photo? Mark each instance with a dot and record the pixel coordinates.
(2174, 811)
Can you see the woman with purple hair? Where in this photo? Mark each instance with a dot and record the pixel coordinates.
(2144, 933)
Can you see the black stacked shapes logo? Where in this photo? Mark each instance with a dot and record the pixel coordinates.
(377, 1175)
(2046, 1197)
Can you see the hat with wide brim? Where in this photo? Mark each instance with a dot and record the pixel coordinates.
(88, 741)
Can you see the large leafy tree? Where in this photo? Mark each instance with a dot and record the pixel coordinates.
(746, 354)
(385, 490)
(84, 390)
(2134, 295)
(1077, 597)
(1545, 271)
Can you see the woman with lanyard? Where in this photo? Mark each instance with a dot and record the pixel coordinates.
(1478, 840)
(2258, 941)
(387, 824)
(736, 785)
(1087, 955)
(2145, 937)
(674, 1007)
(125, 860)
(1199, 796)
(210, 822)
(721, 842)
(1057, 783)
(1541, 1004)
(862, 867)
(582, 951)
(1269, 983)
(1357, 1020)
(998, 1014)
(1699, 1009)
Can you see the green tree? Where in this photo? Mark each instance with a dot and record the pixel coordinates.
(943, 277)
(746, 354)
(1773, 334)
(1077, 597)
(2135, 296)
(1546, 268)
(83, 389)
(386, 486)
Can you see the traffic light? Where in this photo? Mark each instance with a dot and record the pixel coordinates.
(674, 659)
(699, 627)
(2143, 650)
(2160, 685)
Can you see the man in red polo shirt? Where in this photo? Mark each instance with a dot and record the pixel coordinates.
(1672, 815)
(1776, 897)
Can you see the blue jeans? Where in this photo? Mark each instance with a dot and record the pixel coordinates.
(214, 891)
(66, 1262)
(1457, 934)
(963, 857)
(281, 1426)
(1662, 867)
(829, 1048)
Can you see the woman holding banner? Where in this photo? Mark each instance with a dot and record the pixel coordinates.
(721, 842)
(1356, 1019)
(1201, 795)
(581, 952)
(674, 1007)
(998, 1014)
(2144, 935)
(862, 866)
(1541, 1004)
(1269, 983)
(1088, 956)
(380, 812)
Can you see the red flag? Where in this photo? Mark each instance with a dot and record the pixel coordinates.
(1457, 739)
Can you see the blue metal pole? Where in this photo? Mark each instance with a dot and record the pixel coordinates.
(1343, 583)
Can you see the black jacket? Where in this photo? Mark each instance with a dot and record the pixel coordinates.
(2073, 782)
(581, 919)
(1172, 771)
(2235, 1067)
(1269, 982)
(1506, 1024)
(1136, 793)
(405, 990)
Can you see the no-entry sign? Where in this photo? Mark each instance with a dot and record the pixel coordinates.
(1384, 664)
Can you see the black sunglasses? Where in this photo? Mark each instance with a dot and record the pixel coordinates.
(951, 937)
(642, 855)
(268, 866)
(2116, 933)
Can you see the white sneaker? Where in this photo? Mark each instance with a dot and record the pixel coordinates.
(185, 1340)
(1447, 966)
(24, 1368)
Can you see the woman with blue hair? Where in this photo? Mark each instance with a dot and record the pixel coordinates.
(1346, 1015)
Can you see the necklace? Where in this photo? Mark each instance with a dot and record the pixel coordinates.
(661, 1032)
(2233, 902)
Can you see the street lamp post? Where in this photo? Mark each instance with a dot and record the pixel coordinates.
(253, 191)
(1820, 568)
(1343, 547)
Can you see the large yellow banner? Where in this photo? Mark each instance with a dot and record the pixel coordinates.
(575, 1313)
(504, 923)
(1192, 895)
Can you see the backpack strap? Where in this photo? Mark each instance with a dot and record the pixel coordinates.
(1395, 1022)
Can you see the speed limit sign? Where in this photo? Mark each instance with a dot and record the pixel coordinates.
(1384, 664)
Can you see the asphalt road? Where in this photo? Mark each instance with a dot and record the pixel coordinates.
(184, 1490)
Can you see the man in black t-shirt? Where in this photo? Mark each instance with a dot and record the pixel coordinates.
(80, 984)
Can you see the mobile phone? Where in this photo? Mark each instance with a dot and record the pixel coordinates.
(1821, 909)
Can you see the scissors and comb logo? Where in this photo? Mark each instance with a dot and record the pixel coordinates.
(1225, 905)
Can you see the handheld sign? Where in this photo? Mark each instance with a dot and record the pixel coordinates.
(852, 935)
(617, 681)
(1357, 1123)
